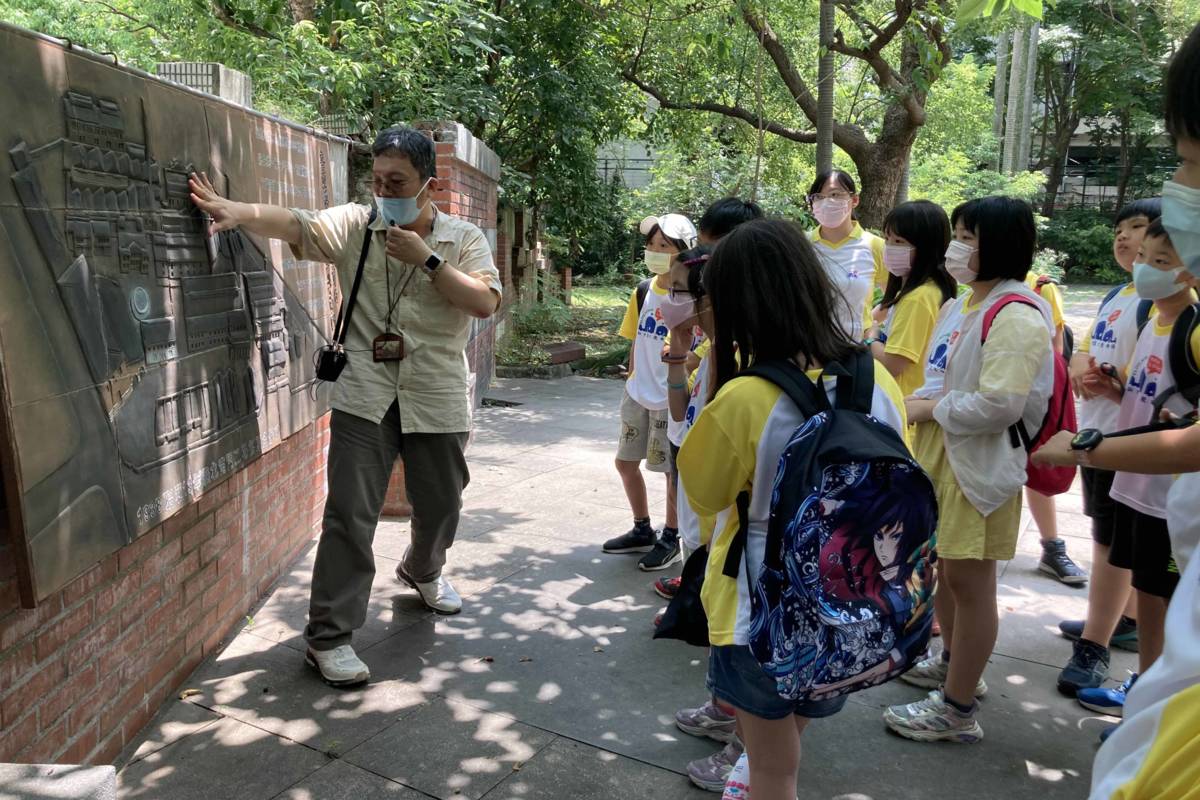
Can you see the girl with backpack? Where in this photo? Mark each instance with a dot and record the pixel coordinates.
(916, 235)
(771, 296)
(978, 388)
(852, 257)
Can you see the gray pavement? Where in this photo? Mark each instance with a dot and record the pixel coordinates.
(548, 685)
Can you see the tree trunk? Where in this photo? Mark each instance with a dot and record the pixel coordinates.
(825, 78)
(1058, 166)
(1126, 160)
(1016, 85)
(998, 94)
(1026, 128)
(883, 168)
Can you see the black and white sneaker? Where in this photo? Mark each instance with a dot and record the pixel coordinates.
(1056, 562)
(639, 539)
(665, 553)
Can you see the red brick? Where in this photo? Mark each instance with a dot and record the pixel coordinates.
(123, 650)
(215, 546)
(15, 664)
(230, 562)
(164, 617)
(127, 703)
(86, 648)
(26, 696)
(194, 587)
(214, 594)
(46, 747)
(16, 738)
(201, 629)
(117, 592)
(64, 629)
(83, 745)
(107, 751)
(180, 521)
(141, 605)
(200, 532)
(161, 559)
(144, 546)
(165, 664)
(82, 586)
(137, 719)
(79, 688)
(26, 621)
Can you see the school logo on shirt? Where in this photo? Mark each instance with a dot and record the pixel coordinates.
(1106, 330)
(652, 325)
(940, 354)
(1144, 379)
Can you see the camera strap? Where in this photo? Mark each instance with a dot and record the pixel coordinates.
(344, 313)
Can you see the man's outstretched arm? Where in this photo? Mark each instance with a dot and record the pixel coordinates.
(273, 222)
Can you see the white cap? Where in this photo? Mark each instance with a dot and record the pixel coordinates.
(673, 226)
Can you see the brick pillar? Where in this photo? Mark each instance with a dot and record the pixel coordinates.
(396, 503)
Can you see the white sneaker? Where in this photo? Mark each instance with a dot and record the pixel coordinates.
(931, 674)
(438, 595)
(339, 666)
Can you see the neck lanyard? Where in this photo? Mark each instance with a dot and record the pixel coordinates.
(393, 302)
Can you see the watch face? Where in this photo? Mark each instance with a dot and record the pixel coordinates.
(1087, 439)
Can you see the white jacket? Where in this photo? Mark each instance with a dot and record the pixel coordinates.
(1018, 382)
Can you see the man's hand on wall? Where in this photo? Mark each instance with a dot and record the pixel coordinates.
(204, 195)
(407, 246)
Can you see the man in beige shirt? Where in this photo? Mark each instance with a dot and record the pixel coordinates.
(404, 389)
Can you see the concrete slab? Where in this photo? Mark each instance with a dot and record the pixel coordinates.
(174, 721)
(450, 750)
(51, 781)
(342, 781)
(571, 769)
(272, 688)
(229, 759)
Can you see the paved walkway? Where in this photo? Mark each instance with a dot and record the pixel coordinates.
(548, 685)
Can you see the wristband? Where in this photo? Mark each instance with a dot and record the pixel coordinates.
(670, 359)
(680, 386)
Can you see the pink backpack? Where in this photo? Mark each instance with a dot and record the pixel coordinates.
(1060, 415)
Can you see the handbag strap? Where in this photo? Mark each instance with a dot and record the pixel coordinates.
(343, 320)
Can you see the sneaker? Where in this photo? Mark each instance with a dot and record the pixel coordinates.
(711, 773)
(1124, 637)
(667, 588)
(339, 666)
(934, 720)
(437, 595)
(1107, 732)
(707, 721)
(931, 674)
(1107, 701)
(1056, 562)
(666, 552)
(1087, 668)
(639, 539)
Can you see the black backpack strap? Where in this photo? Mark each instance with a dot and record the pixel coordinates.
(1143, 314)
(808, 396)
(855, 382)
(1116, 290)
(1184, 368)
(643, 289)
(344, 313)
(737, 547)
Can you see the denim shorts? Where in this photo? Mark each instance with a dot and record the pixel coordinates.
(735, 677)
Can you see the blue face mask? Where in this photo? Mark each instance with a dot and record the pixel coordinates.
(400, 210)
(1156, 284)
(1181, 218)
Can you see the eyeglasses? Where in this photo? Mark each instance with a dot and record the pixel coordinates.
(679, 294)
(836, 195)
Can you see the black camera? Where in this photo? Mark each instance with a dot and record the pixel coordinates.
(331, 360)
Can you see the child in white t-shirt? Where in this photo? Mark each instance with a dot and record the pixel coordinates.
(644, 405)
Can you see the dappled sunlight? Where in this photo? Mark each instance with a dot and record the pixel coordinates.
(1041, 773)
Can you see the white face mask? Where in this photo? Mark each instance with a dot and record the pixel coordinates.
(658, 263)
(958, 262)
(897, 259)
(1181, 218)
(1156, 284)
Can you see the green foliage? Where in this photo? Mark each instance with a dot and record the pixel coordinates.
(1085, 237)
(1050, 263)
(972, 9)
(951, 178)
(959, 114)
(609, 245)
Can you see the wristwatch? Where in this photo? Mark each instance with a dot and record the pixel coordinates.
(432, 265)
(1085, 442)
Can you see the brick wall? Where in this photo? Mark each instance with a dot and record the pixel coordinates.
(82, 673)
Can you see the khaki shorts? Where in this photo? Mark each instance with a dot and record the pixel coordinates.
(644, 436)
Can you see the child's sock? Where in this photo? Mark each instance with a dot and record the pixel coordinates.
(641, 522)
(670, 534)
(959, 707)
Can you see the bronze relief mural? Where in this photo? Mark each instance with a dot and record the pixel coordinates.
(142, 360)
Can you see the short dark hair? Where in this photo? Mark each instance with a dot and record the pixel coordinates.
(1149, 207)
(924, 225)
(840, 177)
(771, 300)
(1006, 234)
(726, 214)
(1156, 231)
(1182, 92)
(402, 140)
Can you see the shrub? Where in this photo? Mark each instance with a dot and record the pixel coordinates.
(1085, 236)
